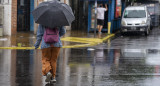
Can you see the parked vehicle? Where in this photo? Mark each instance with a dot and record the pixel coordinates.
(136, 19)
(153, 10)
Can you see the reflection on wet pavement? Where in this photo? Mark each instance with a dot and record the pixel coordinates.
(83, 67)
(22, 39)
(135, 41)
(83, 34)
(27, 39)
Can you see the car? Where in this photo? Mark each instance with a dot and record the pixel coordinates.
(136, 19)
(153, 10)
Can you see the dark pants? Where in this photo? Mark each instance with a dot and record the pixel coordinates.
(100, 22)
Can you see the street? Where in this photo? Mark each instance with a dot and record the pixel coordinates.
(131, 60)
(103, 42)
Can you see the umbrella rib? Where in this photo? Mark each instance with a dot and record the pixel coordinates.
(64, 15)
(42, 14)
(68, 11)
(39, 8)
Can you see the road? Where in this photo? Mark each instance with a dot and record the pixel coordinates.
(136, 41)
(135, 59)
(132, 60)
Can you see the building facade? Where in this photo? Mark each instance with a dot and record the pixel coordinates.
(6, 4)
(17, 15)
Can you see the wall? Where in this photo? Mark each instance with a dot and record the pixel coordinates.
(10, 16)
(7, 17)
(14, 17)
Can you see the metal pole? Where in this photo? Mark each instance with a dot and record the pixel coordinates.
(95, 22)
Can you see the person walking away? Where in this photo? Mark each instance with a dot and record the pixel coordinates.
(50, 52)
(100, 17)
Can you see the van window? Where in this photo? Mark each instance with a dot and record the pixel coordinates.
(135, 14)
(151, 10)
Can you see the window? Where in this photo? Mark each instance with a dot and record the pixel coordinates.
(1, 1)
(135, 14)
(4, 1)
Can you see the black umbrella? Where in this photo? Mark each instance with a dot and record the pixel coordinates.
(53, 14)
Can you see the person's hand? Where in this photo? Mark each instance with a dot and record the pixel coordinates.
(36, 48)
(106, 7)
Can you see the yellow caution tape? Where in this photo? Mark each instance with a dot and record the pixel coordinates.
(19, 48)
(88, 42)
(81, 40)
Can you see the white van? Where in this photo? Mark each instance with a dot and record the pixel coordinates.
(135, 19)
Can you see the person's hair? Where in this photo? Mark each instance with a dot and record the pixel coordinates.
(100, 5)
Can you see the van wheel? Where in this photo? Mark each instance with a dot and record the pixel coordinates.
(151, 27)
(146, 32)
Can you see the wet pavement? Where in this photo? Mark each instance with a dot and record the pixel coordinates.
(135, 41)
(122, 61)
(82, 67)
(26, 40)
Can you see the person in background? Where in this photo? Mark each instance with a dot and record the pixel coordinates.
(50, 53)
(100, 16)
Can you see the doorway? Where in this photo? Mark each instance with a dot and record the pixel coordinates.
(23, 15)
(91, 17)
(105, 19)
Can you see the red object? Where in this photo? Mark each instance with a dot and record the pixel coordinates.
(118, 9)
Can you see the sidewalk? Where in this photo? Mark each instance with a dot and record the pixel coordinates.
(72, 39)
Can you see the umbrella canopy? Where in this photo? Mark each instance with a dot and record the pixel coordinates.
(53, 14)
